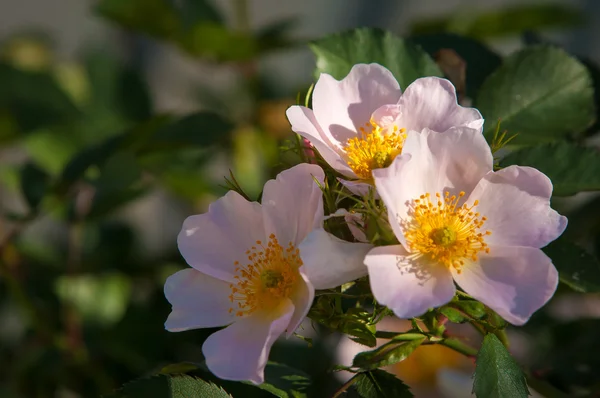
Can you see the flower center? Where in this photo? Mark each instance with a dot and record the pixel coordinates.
(374, 149)
(269, 277)
(445, 232)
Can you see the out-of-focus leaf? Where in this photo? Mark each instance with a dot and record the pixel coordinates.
(100, 299)
(388, 354)
(34, 99)
(51, 149)
(116, 185)
(164, 386)
(381, 384)
(540, 93)
(117, 90)
(503, 22)
(275, 36)
(285, 382)
(154, 17)
(577, 268)
(216, 41)
(497, 375)
(34, 184)
(194, 11)
(481, 61)
(337, 54)
(201, 129)
(571, 168)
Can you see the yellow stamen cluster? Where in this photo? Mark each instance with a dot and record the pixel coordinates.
(445, 232)
(374, 149)
(269, 277)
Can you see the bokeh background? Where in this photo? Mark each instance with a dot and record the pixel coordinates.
(88, 221)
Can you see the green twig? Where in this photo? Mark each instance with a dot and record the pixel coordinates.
(459, 346)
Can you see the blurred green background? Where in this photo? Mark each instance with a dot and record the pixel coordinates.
(119, 118)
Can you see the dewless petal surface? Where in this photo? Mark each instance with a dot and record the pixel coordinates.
(513, 281)
(293, 203)
(407, 288)
(241, 350)
(302, 299)
(303, 122)
(213, 241)
(341, 107)
(516, 215)
(198, 300)
(430, 102)
(330, 262)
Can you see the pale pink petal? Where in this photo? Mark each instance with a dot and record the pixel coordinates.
(356, 225)
(241, 350)
(430, 102)
(198, 300)
(358, 187)
(516, 215)
(302, 298)
(293, 203)
(513, 281)
(304, 123)
(213, 241)
(432, 163)
(330, 262)
(407, 287)
(388, 116)
(341, 107)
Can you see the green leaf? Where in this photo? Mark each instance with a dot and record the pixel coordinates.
(463, 310)
(388, 354)
(540, 93)
(100, 299)
(337, 54)
(194, 11)
(480, 60)
(154, 17)
(577, 268)
(355, 322)
(284, 381)
(34, 184)
(572, 168)
(200, 129)
(381, 384)
(497, 375)
(503, 22)
(164, 386)
(34, 99)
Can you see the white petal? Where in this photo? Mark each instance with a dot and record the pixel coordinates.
(330, 262)
(341, 107)
(430, 102)
(293, 203)
(198, 300)
(356, 225)
(241, 350)
(358, 187)
(432, 163)
(516, 203)
(513, 281)
(304, 123)
(302, 299)
(213, 241)
(407, 287)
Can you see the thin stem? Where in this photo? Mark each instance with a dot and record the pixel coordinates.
(380, 334)
(459, 346)
(345, 386)
(501, 334)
